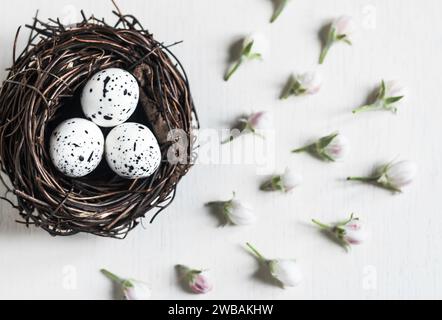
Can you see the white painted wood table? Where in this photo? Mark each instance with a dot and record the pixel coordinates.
(398, 39)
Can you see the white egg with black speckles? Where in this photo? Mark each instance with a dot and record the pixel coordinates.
(76, 147)
(110, 97)
(132, 151)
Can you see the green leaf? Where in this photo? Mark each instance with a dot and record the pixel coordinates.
(382, 90)
(325, 141)
(254, 56)
(393, 100)
(247, 49)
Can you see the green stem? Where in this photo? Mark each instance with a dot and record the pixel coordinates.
(324, 53)
(233, 69)
(256, 252)
(363, 108)
(320, 224)
(111, 276)
(343, 223)
(228, 140)
(362, 179)
(303, 149)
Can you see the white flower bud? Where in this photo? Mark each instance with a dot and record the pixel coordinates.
(398, 175)
(393, 176)
(260, 45)
(136, 290)
(235, 212)
(285, 182)
(239, 213)
(333, 147)
(338, 148)
(131, 289)
(303, 84)
(286, 271)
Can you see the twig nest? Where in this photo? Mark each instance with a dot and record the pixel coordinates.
(43, 88)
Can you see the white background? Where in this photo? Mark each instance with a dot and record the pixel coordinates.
(402, 258)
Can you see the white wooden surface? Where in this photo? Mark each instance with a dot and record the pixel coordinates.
(403, 257)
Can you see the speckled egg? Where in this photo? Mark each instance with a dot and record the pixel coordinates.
(132, 151)
(110, 97)
(76, 147)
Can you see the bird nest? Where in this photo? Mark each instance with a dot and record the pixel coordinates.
(43, 88)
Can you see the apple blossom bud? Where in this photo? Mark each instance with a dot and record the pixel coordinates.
(255, 123)
(196, 280)
(344, 26)
(389, 95)
(239, 213)
(286, 272)
(132, 289)
(235, 212)
(285, 182)
(333, 147)
(303, 84)
(349, 232)
(392, 176)
(338, 148)
(340, 30)
(258, 121)
(255, 47)
(353, 233)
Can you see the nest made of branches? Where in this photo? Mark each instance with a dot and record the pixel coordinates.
(42, 89)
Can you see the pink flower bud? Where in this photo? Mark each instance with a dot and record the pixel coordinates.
(310, 82)
(259, 121)
(338, 148)
(353, 233)
(200, 284)
(343, 25)
(196, 280)
(349, 232)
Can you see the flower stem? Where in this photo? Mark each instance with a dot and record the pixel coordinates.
(363, 108)
(256, 252)
(320, 224)
(111, 276)
(228, 140)
(324, 53)
(233, 69)
(362, 179)
(303, 149)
